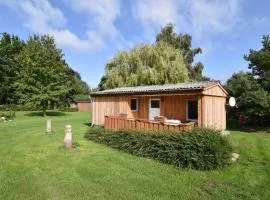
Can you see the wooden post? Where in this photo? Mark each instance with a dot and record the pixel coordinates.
(49, 126)
(68, 136)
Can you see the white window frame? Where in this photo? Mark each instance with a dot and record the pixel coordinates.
(192, 120)
(137, 105)
(158, 99)
(154, 100)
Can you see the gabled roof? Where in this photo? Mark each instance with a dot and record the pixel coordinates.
(158, 88)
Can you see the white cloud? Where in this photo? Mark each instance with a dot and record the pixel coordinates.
(201, 18)
(213, 17)
(43, 18)
(154, 14)
(67, 38)
(100, 16)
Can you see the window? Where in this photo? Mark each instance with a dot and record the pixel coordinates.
(155, 103)
(134, 104)
(192, 110)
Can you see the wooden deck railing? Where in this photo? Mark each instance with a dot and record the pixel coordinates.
(116, 123)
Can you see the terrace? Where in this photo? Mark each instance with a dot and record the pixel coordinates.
(120, 122)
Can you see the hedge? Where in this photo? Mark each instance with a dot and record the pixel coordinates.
(7, 114)
(200, 148)
(29, 108)
(17, 108)
(68, 109)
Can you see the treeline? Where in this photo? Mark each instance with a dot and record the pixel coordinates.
(252, 88)
(34, 73)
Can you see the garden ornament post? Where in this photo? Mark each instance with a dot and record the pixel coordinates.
(68, 136)
(49, 126)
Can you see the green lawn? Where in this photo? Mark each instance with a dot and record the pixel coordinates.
(36, 166)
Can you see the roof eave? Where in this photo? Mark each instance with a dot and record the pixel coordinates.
(149, 92)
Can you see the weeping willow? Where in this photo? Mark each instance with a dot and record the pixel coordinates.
(146, 65)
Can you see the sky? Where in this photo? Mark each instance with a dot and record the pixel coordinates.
(91, 32)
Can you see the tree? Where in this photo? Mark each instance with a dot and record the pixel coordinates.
(240, 83)
(80, 90)
(159, 63)
(256, 105)
(43, 79)
(259, 63)
(141, 68)
(101, 85)
(182, 42)
(245, 88)
(10, 70)
(251, 89)
(10, 46)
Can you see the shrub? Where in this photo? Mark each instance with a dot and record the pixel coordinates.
(68, 109)
(16, 108)
(8, 114)
(203, 149)
(97, 130)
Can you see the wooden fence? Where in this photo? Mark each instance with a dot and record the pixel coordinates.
(116, 123)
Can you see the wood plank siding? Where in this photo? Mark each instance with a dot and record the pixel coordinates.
(211, 106)
(214, 112)
(84, 106)
(173, 107)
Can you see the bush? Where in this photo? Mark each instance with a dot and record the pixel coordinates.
(68, 109)
(16, 108)
(203, 149)
(8, 114)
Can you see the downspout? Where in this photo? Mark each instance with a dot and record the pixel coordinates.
(91, 103)
(202, 111)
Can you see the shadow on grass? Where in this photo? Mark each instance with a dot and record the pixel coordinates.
(234, 125)
(48, 113)
(87, 124)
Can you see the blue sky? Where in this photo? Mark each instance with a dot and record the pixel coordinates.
(90, 32)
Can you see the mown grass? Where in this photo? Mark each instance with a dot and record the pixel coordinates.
(34, 165)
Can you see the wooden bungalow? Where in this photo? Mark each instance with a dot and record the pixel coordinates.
(173, 106)
(82, 105)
